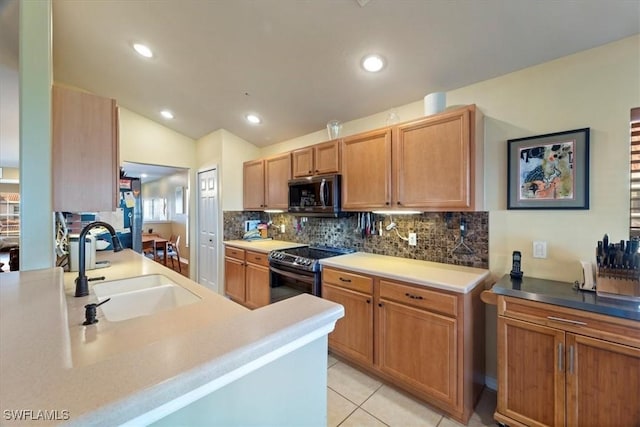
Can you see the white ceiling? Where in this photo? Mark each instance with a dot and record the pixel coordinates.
(296, 62)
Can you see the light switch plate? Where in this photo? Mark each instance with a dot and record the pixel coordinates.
(413, 239)
(539, 249)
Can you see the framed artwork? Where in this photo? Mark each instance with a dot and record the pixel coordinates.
(549, 171)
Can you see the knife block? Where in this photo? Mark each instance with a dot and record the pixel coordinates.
(618, 283)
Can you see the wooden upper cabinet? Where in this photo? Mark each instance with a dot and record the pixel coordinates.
(319, 159)
(437, 165)
(266, 183)
(302, 162)
(253, 185)
(85, 165)
(366, 170)
(434, 167)
(277, 173)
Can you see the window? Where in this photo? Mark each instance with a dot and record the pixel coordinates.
(154, 209)
(635, 173)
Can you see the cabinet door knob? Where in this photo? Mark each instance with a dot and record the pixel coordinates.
(399, 203)
(386, 203)
(310, 171)
(368, 301)
(379, 304)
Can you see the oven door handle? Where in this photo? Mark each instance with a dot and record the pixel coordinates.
(291, 275)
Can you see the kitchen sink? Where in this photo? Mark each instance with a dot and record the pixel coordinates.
(141, 296)
(143, 302)
(106, 289)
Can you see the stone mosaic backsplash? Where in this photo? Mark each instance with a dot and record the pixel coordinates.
(438, 234)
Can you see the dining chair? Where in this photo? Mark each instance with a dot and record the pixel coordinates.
(173, 252)
(149, 249)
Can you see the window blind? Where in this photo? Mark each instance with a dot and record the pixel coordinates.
(635, 173)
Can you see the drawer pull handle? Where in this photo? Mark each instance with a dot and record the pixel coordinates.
(573, 322)
(413, 296)
(560, 357)
(342, 279)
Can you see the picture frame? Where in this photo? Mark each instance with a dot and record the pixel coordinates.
(549, 171)
(179, 200)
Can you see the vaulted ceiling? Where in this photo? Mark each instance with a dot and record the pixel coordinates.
(296, 63)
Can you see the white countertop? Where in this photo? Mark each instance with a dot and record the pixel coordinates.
(433, 274)
(112, 372)
(265, 246)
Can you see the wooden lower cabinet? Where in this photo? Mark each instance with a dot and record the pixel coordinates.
(531, 388)
(426, 341)
(246, 277)
(234, 284)
(257, 286)
(419, 348)
(603, 383)
(353, 334)
(556, 368)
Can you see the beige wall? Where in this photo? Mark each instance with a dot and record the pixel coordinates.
(177, 225)
(145, 141)
(225, 152)
(594, 88)
(10, 173)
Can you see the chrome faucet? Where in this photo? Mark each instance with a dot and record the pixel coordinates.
(82, 282)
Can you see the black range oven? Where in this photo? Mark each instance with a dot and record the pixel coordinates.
(297, 270)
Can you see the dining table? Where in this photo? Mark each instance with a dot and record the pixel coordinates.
(158, 243)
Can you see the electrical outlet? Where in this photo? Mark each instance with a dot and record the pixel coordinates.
(539, 249)
(282, 228)
(413, 239)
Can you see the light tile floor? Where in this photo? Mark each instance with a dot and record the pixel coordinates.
(356, 399)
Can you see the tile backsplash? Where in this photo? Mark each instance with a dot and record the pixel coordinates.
(438, 234)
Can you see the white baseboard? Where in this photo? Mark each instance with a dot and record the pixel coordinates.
(491, 383)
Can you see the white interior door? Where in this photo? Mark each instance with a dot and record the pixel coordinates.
(207, 228)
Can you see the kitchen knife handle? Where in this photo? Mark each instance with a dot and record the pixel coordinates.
(571, 359)
(560, 357)
(573, 322)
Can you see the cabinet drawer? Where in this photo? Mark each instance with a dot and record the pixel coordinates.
(419, 297)
(259, 258)
(615, 329)
(346, 280)
(232, 252)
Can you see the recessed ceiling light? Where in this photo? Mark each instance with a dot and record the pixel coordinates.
(167, 114)
(373, 63)
(143, 50)
(253, 119)
(143, 175)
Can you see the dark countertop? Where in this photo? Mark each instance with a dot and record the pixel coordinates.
(565, 295)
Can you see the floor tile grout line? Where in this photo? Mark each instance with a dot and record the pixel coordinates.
(388, 425)
(347, 417)
(345, 397)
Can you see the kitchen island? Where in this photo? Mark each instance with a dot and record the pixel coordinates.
(210, 362)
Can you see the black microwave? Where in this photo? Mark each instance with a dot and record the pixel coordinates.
(315, 195)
